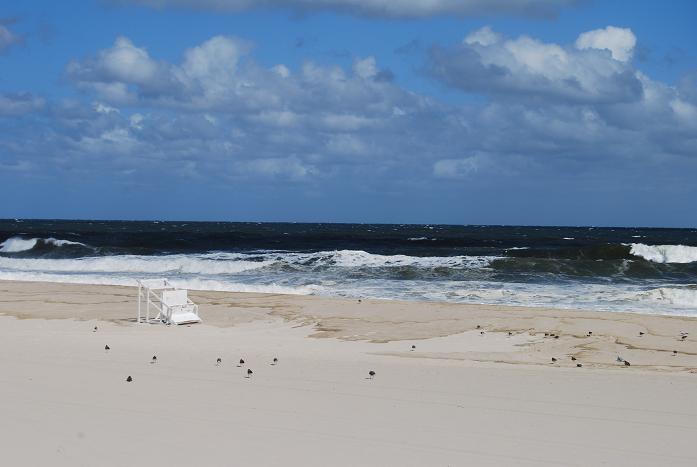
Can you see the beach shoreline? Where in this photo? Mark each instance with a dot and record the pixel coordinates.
(462, 395)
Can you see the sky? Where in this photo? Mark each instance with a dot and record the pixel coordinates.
(525, 112)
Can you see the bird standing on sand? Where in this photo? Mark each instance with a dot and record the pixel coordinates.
(626, 363)
(95, 329)
(154, 359)
(218, 361)
(275, 361)
(479, 327)
(510, 333)
(413, 347)
(641, 333)
(371, 374)
(684, 337)
(106, 348)
(675, 352)
(590, 333)
(578, 365)
(554, 360)
(249, 372)
(241, 362)
(573, 359)
(129, 379)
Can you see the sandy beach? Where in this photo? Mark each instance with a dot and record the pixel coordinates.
(479, 388)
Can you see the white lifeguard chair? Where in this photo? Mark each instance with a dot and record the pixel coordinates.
(172, 304)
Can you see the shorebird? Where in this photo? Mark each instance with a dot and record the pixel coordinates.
(241, 362)
(683, 337)
(129, 379)
(371, 374)
(106, 347)
(578, 365)
(479, 327)
(641, 333)
(554, 359)
(546, 334)
(95, 329)
(481, 333)
(626, 363)
(275, 360)
(573, 359)
(359, 300)
(154, 359)
(218, 361)
(510, 333)
(675, 352)
(249, 372)
(556, 337)
(413, 347)
(590, 333)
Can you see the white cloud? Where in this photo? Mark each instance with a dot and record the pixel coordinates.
(619, 41)
(526, 67)
(380, 8)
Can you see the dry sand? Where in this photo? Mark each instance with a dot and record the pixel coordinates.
(459, 398)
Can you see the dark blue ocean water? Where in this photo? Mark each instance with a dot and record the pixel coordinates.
(647, 270)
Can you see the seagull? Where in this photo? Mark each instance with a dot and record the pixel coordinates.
(129, 379)
(626, 363)
(275, 360)
(249, 372)
(554, 359)
(106, 347)
(371, 374)
(241, 362)
(154, 359)
(413, 347)
(218, 361)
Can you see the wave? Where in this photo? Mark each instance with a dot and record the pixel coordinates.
(19, 244)
(665, 253)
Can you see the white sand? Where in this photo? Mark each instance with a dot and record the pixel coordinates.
(64, 400)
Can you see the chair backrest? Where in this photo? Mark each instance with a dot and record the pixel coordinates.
(174, 297)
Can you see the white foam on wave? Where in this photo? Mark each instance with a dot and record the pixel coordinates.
(18, 244)
(683, 297)
(133, 264)
(360, 258)
(665, 253)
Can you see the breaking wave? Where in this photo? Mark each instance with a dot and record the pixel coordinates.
(665, 253)
(19, 244)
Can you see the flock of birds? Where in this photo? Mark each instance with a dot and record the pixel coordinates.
(682, 337)
(219, 361)
(371, 374)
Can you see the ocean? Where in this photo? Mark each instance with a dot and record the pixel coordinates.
(614, 269)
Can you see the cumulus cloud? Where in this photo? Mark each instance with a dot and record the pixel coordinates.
(8, 38)
(380, 8)
(216, 113)
(619, 41)
(524, 67)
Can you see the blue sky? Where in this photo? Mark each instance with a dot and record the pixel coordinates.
(461, 111)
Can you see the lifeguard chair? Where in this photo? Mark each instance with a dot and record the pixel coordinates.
(172, 304)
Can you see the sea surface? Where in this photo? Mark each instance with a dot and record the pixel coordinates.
(615, 269)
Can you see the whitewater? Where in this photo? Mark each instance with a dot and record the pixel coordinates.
(361, 274)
